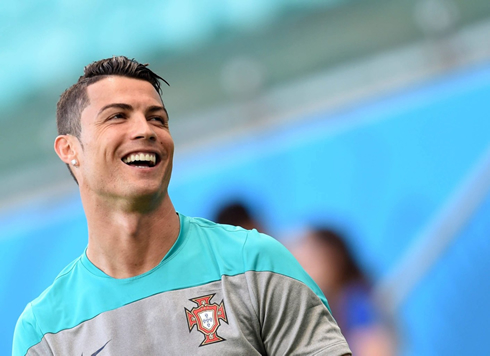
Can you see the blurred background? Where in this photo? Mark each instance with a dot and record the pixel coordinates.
(368, 117)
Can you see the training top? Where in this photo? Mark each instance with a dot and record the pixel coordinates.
(220, 290)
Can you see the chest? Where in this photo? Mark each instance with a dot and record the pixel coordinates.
(211, 319)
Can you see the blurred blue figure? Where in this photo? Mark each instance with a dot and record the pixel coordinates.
(324, 254)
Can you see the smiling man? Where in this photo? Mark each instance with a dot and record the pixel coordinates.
(153, 281)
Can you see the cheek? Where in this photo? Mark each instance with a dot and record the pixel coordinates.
(97, 157)
(168, 143)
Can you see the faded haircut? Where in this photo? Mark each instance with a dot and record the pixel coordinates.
(75, 99)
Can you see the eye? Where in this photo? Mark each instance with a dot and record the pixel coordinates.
(159, 119)
(117, 116)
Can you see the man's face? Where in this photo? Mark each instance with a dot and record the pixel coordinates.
(126, 148)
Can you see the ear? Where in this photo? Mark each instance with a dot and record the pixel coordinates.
(66, 147)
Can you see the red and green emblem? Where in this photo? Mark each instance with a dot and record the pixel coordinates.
(206, 317)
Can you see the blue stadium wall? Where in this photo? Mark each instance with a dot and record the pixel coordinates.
(383, 170)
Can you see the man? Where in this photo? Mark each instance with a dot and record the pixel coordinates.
(152, 281)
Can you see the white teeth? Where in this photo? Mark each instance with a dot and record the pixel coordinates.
(149, 157)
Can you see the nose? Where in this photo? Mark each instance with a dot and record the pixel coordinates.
(142, 129)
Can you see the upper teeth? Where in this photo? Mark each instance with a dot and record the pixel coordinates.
(150, 157)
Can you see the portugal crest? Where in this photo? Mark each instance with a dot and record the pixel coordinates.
(206, 317)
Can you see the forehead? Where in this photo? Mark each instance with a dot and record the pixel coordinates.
(117, 89)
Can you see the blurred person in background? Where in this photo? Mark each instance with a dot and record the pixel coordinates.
(238, 214)
(325, 256)
(153, 281)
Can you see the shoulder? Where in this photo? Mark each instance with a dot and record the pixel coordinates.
(60, 283)
(229, 237)
(195, 224)
(254, 250)
(28, 330)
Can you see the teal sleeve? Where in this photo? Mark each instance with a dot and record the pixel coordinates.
(264, 253)
(27, 333)
(292, 311)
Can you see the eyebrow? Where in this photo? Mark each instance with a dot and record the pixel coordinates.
(115, 105)
(129, 107)
(157, 108)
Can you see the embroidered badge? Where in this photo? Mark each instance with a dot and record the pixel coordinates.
(206, 317)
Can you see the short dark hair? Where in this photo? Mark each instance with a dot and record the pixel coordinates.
(349, 269)
(75, 99)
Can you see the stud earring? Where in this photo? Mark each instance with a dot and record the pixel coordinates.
(74, 162)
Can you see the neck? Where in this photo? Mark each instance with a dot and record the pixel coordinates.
(126, 240)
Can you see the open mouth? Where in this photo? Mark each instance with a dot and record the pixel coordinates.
(141, 159)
